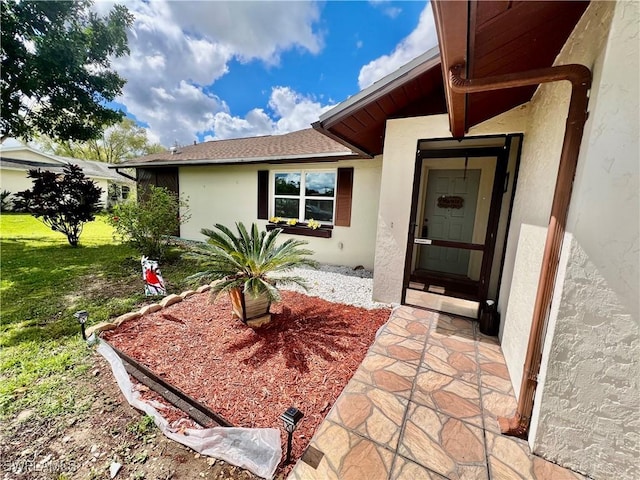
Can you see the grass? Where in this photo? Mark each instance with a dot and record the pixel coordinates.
(43, 282)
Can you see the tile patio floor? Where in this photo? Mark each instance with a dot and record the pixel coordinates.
(423, 405)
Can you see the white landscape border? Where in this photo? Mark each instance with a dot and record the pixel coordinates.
(255, 449)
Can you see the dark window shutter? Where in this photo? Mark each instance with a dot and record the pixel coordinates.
(263, 194)
(158, 177)
(343, 197)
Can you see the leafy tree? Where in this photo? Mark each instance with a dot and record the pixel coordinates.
(118, 142)
(148, 223)
(64, 202)
(56, 75)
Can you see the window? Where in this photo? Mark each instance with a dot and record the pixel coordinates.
(305, 195)
(342, 199)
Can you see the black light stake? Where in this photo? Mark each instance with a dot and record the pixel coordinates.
(82, 316)
(290, 418)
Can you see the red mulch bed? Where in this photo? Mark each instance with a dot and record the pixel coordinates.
(304, 358)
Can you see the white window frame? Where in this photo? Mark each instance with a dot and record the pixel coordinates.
(302, 197)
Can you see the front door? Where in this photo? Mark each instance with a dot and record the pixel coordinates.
(457, 197)
(449, 215)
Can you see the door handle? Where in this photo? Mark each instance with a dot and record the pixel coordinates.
(425, 228)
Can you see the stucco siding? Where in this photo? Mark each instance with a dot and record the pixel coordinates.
(536, 182)
(227, 194)
(587, 412)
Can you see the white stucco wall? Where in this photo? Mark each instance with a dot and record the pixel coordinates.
(536, 182)
(398, 168)
(227, 194)
(104, 185)
(587, 412)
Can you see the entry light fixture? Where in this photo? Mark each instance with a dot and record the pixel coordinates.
(82, 316)
(290, 418)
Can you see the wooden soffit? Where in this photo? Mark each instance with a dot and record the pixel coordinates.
(498, 37)
(415, 89)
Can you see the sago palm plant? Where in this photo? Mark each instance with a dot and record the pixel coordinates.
(250, 262)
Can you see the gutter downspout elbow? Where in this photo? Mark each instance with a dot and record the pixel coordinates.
(125, 175)
(580, 78)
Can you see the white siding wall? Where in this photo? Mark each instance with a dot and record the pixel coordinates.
(17, 181)
(227, 194)
(14, 180)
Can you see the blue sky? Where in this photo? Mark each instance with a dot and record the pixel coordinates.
(203, 70)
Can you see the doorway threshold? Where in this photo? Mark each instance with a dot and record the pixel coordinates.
(442, 303)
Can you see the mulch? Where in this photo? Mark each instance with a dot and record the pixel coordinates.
(303, 358)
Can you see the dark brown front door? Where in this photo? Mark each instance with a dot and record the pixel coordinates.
(452, 236)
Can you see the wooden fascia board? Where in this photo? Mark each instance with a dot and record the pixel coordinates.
(452, 20)
(356, 148)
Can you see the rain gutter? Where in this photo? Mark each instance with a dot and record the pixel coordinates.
(125, 175)
(580, 78)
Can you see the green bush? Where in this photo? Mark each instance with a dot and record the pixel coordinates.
(148, 223)
(64, 202)
(252, 260)
(5, 201)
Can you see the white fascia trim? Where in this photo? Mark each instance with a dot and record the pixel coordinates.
(32, 150)
(237, 161)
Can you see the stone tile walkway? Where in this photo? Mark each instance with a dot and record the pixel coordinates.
(423, 405)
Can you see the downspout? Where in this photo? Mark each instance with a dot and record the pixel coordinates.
(125, 175)
(580, 78)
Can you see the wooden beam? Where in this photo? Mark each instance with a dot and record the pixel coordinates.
(452, 19)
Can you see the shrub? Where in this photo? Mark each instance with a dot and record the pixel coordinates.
(5, 201)
(148, 223)
(252, 260)
(64, 202)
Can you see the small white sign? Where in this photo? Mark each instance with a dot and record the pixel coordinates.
(422, 241)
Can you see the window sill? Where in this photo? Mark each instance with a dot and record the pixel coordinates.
(302, 229)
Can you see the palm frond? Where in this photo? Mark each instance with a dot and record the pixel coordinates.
(248, 259)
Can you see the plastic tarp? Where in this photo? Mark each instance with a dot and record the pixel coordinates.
(255, 449)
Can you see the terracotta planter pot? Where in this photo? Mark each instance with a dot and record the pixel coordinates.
(254, 311)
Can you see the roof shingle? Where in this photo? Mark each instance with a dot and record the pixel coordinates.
(306, 143)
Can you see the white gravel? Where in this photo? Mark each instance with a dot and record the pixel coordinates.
(338, 284)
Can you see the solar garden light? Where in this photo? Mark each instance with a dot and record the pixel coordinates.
(82, 316)
(290, 418)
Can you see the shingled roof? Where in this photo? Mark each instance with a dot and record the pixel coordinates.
(301, 145)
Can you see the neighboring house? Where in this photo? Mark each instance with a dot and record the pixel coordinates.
(302, 175)
(17, 160)
(444, 217)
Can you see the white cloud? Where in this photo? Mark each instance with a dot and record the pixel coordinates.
(392, 12)
(416, 43)
(175, 114)
(179, 48)
(253, 29)
(389, 11)
(291, 110)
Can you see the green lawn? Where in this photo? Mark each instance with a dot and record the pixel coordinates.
(43, 282)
